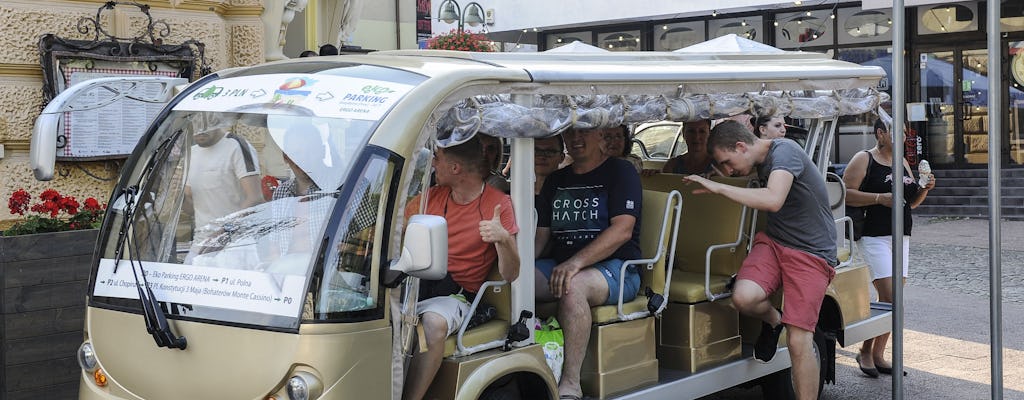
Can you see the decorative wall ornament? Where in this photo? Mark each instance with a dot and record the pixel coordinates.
(146, 51)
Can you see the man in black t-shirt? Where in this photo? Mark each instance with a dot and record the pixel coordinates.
(591, 213)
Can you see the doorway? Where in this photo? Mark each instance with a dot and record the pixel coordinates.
(953, 82)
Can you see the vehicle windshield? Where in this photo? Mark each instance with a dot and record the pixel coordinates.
(227, 205)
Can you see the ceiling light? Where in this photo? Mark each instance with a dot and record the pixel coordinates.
(776, 23)
(664, 27)
(714, 13)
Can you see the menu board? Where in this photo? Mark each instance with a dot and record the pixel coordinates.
(110, 131)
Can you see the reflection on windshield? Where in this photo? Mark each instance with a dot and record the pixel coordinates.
(246, 198)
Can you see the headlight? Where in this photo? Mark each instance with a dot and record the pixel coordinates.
(87, 357)
(298, 389)
(304, 386)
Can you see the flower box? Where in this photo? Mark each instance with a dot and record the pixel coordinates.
(43, 282)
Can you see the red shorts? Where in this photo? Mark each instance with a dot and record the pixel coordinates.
(802, 276)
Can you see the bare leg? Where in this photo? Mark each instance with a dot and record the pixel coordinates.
(751, 300)
(541, 289)
(805, 364)
(884, 288)
(588, 289)
(425, 365)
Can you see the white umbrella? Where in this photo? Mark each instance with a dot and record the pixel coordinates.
(730, 44)
(576, 47)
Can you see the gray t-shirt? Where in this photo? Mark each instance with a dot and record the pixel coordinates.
(805, 220)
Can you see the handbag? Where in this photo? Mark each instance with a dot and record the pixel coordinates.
(855, 213)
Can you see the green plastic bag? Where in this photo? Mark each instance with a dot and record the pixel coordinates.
(549, 336)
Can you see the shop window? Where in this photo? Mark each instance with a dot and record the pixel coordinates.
(561, 39)
(855, 132)
(620, 41)
(668, 37)
(1012, 16)
(859, 26)
(805, 28)
(946, 18)
(1016, 102)
(744, 27)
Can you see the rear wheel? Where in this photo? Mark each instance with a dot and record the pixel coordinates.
(779, 386)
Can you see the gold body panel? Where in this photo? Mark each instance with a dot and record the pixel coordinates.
(850, 290)
(692, 337)
(224, 362)
(620, 357)
(467, 377)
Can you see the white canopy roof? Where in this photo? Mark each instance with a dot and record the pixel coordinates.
(576, 47)
(730, 44)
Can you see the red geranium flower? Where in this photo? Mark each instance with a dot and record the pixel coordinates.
(46, 214)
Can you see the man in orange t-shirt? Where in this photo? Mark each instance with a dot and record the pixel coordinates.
(481, 232)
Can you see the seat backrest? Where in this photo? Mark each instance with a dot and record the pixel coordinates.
(707, 220)
(652, 222)
(500, 297)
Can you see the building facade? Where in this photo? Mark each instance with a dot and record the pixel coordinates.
(947, 59)
(234, 33)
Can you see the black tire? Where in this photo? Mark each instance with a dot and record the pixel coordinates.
(822, 366)
(778, 386)
(506, 388)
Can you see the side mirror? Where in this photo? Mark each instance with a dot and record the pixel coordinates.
(424, 248)
(90, 95)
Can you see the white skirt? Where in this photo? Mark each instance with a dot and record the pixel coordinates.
(877, 251)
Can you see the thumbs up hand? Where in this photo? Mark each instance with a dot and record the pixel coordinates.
(491, 230)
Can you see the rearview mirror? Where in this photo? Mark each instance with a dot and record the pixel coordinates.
(425, 248)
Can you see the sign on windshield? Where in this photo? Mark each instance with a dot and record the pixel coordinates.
(322, 95)
(233, 289)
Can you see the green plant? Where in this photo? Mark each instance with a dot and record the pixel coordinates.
(52, 213)
(460, 40)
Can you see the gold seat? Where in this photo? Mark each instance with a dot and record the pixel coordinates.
(621, 352)
(695, 331)
(490, 334)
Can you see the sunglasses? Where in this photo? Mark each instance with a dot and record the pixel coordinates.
(546, 153)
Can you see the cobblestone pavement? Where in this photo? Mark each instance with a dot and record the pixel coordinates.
(952, 254)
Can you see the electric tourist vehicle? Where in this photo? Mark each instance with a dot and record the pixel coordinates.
(309, 294)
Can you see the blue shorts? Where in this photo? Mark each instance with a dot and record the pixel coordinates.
(610, 270)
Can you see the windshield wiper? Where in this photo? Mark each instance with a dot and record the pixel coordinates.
(156, 320)
(154, 316)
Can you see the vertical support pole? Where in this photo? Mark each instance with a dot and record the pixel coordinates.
(522, 200)
(899, 111)
(995, 154)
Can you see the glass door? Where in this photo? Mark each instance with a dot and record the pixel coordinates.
(954, 84)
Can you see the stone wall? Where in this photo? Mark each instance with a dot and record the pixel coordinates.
(231, 30)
